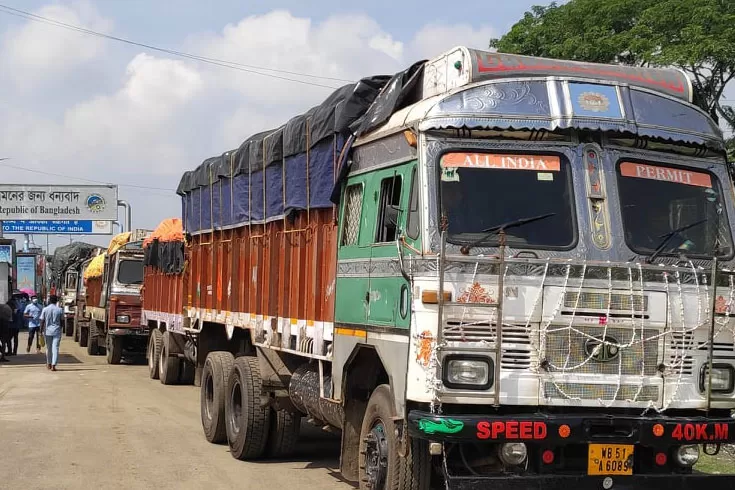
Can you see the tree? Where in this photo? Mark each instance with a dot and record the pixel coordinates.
(697, 36)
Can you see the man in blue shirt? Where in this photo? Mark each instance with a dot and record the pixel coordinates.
(33, 313)
(51, 317)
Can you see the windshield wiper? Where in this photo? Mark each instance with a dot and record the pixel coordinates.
(668, 236)
(494, 229)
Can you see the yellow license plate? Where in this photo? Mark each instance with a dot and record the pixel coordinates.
(610, 459)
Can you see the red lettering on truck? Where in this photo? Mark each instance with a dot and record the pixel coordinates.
(511, 430)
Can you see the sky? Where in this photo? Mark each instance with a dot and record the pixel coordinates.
(79, 108)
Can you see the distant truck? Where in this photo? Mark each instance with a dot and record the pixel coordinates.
(113, 281)
(65, 273)
(81, 316)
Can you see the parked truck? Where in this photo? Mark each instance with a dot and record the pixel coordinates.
(81, 315)
(113, 281)
(488, 271)
(65, 276)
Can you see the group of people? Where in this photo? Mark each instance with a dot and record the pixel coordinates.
(22, 310)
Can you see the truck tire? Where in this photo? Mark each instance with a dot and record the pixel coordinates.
(168, 366)
(154, 353)
(284, 433)
(83, 336)
(248, 421)
(114, 349)
(213, 393)
(186, 373)
(93, 348)
(381, 465)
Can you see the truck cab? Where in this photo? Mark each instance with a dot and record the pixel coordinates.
(69, 298)
(81, 316)
(114, 303)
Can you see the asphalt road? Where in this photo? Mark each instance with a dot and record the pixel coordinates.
(91, 425)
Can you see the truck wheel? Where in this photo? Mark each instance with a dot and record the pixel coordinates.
(215, 374)
(168, 366)
(68, 327)
(284, 433)
(83, 336)
(93, 347)
(154, 353)
(247, 418)
(381, 465)
(114, 349)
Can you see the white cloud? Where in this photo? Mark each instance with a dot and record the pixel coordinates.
(36, 53)
(434, 39)
(164, 116)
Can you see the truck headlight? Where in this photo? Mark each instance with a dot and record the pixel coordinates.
(122, 318)
(723, 378)
(468, 372)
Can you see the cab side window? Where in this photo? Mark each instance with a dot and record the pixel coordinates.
(388, 209)
(352, 215)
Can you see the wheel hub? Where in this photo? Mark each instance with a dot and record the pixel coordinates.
(376, 457)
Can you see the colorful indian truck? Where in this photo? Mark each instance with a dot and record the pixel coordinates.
(487, 271)
(65, 275)
(113, 281)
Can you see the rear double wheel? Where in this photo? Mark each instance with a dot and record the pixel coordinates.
(93, 348)
(213, 394)
(247, 414)
(154, 353)
(168, 365)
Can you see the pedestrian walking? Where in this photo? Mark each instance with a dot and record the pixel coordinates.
(6, 317)
(33, 314)
(51, 317)
(15, 325)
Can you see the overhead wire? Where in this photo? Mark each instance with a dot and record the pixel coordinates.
(253, 69)
(83, 179)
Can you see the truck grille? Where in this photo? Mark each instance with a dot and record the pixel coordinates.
(516, 339)
(621, 302)
(588, 391)
(570, 347)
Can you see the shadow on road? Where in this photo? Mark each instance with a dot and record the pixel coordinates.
(317, 449)
(38, 360)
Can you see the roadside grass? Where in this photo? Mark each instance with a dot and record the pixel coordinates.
(723, 463)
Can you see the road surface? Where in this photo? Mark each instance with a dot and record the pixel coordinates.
(90, 425)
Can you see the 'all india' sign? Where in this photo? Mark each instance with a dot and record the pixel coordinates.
(58, 202)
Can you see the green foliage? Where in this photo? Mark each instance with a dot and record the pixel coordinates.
(697, 36)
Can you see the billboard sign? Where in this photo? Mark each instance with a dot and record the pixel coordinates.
(75, 227)
(26, 272)
(58, 202)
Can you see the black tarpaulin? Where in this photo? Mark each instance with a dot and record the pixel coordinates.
(68, 255)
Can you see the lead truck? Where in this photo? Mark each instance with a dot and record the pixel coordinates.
(486, 271)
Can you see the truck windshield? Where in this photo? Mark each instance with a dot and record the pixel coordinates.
(481, 190)
(674, 209)
(130, 272)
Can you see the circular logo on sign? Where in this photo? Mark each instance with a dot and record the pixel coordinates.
(96, 203)
(594, 101)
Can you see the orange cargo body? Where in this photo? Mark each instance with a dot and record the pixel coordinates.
(280, 270)
(162, 292)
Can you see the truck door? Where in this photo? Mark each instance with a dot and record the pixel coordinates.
(353, 256)
(106, 280)
(391, 196)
